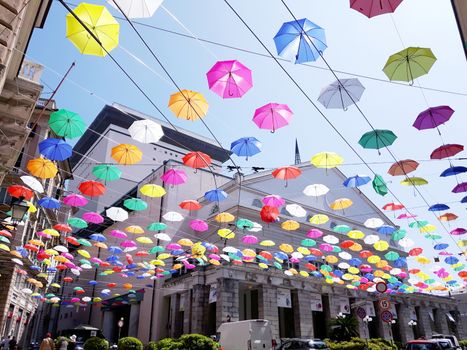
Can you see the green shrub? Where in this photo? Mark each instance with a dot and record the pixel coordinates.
(360, 344)
(58, 341)
(130, 343)
(185, 342)
(463, 343)
(96, 343)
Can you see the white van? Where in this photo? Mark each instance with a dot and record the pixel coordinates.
(246, 335)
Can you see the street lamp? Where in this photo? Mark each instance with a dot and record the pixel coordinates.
(340, 315)
(366, 320)
(412, 324)
(18, 210)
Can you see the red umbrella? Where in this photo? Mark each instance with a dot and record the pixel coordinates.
(73, 241)
(415, 251)
(347, 244)
(197, 160)
(190, 205)
(92, 188)
(5, 233)
(446, 151)
(286, 173)
(31, 247)
(63, 228)
(394, 206)
(365, 254)
(19, 191)
(68, 279)
(269, 214)
(403, 167)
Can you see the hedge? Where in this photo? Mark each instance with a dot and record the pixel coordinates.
(130, 343)
(360, 344)
(185, 342)
(96, 343)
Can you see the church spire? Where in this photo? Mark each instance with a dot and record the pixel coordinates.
(297, 153)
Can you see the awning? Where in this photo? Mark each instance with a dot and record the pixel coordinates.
(450, 318)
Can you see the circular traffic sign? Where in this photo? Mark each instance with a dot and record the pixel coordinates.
(120, 323)
(381, 287)
(361, 312)
(386, 316)
(384, 304)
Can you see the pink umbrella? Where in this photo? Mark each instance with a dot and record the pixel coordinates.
(188, 265)
(95, 260)
(458, 231)
(272, 116)
(67, 255)
(70, 265)
(173, 246)
(294, 260)
(372, 8)
(445, 253)
(75, 200)
(249, 239)
(442, 273)
(325, 247)
(92, 217)
(273, 200)
(407, 216)
(75, 300)
(199, 225)
(43, 235)
(402, 275)
(229, 79)
(128, 244)
(174, 177)
(314, 233)
(118, 234)
(214, 257)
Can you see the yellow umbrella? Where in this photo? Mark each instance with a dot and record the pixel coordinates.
(52, 232)
(134, 229)
(84, 253)
(414, 181)
(214, 262)
(267, 243)
(462, 243)
(373, 259)
(52, 252)
(42, 168)
(189, 105)
(356, 247)
(126, 154)
(226, 233)
(185, 242)
(326, 160)
(249, 252)
(286, 248)
(304, 274)
(263, 266)
(157, 262)
(341, 204)
(100, 22)
(55, 285)
(224, 217)
(422, 260)
(382, 263)
(16, 254)
(319, 219)
(31, 207)
(152, 190)
(331, 259)
(4, 247)
(303, 250)
(356, 234)
(381, 246)
(61, 259)
(290, 225)
(144, 240)
(100, 245)
(353, 270)
(428, 228)
(164, 256)
(36, 242)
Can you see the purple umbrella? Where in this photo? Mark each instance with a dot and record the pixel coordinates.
(199, 225)
(458, 231)
(229, 79)
(272, 116)
(75, 200)
(462, 187)
(273, 200)
(433, 117)
(93, 217)
(174, 177)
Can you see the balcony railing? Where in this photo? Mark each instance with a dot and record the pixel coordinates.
(31, 71)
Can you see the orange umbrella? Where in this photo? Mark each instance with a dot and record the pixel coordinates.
(197, 160)
(188, 105)
(126, 154)
(190, 205)
(403, 167)
(286, 173)
(41, 167)
(92, 188)
(448, 217)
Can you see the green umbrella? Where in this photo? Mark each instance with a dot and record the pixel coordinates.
(433, 237)
(135, 204)
(277, 265)
(336, 249)
(156, 249)
(409, 64)
(342, 228)
(418, 224)
(156, 226)
(377, 139)
(84, 261)
(244, 224)
(107, 172)
(326, 268)
(308, 242)
(459, 268)
(379, 185)
(391, 256)
(67, 124)
(77, 222)
(4, 240)
(398, 234)
(84, 242)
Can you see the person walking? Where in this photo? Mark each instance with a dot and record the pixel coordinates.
(13, 343)
(72, 342)
(47, 343)
(6, 344)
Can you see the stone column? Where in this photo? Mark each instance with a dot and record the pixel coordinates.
(383, 327)
(176, 323)
(133, 321)
(441, 321)
(199, 308)
(227, 301)
(423, 321)
(303, 316)
(362, 326)
(187, 311)
(267, 305)
(403, 318)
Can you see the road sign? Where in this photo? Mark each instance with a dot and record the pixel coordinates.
(386, 316)
(381, 287)
(384, 304)
(361, 312)
(120, 323)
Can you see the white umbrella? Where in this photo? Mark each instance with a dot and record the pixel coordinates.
(255, 228)
(173, 216)
(61, 249)
(137, 8)
(145, 131)
(86, 266)
(345, 255)
(17, 261)
(343, 265)
(405, 242)
(26, 291)
(86, 299)
(315, 190)
(33, 183)
(395, 271)
(331, 239)
(341, 94)
(163, 237)
(374, 223)
(371, 239)
(116, 214)
(230, 249)
(295, 210)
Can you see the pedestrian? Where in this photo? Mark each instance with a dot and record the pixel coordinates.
(63, 345)
(6, 343)
(72, 342)
(4, 340)
(47, 343)
(13, 343)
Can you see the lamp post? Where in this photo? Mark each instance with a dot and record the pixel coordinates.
(367, 319)
(412, 324)
(18, 210)
(390, 330)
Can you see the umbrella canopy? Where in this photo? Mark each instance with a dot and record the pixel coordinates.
(373, 223)
(286, 173)
(151, 190)
(42, 168)
(137, 8)
(246, 147)
(403, 167)
(326, 160)
(459, 188)
(19, 191)
(379, 185)
(315, 190)
(409, 64)
(341, 94)
(67, 124)
(190, 205)
(75, 200)
(340, 204)
(393, 206)
(32, 183)
(229, 79)
(272, 116)
(414, 181)
(199, 225)
(197, 160)
(107, 172)
(453, 170)
(55, 149)
(377, 139)
(356, 181)
(372, 8)
(273, 200)
(224, 217)
(116, 214)
(92, 188)
(300, 41)
(188, 105)
(93, 217)
(100, 22)
(126, 154)
(136, 204)
(269, 214)
(438, 207)
(446, 151)
(145, 131)
(174, 177)
(433, 117)
(49, 203)
(447, 217)
(216, 195)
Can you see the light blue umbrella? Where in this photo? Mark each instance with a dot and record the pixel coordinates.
(356, 181)
(215, 195)
(246, 147)
(97, 237)
(301, 41)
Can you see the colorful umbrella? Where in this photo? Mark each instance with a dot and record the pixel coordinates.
(377, 139)
(188, 105)
(295, 210)
(462, 187)
(246, 147)
(272, 116)
(42, 168)
(433, 117)
(157, 226)
(136, 204)
(67, 124)
(224, 217)
(145, 131)
(92, 188)
(19, 191)
(453, 170)
(326, 160)
(319, 219)
(315, 190)
(448, 217)
(414, 181)
(458, 231)
(93, 217)
(356, 181)
(126, 154)
(153, 191)
(77, 222)
(137, 8)
(32, 183)
(190, 205)
(446, 151)
(229, 79)
(199, 225)
(55, 149)
(100, 22)
(286, 173)
(300, 41)
(341, 94)
(174, 177)
(393, 206)
(116, 214)
(438, 207)
(379, 185)
(409, 64)
(75, 200)
(49, 203)
(197, 160)
(403, 167)
(340, 204)
(269, 214)
(106, 172)
(216, 195)
(372, 8)
(273, 200)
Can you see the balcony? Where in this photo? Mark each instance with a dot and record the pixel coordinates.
(31, 71)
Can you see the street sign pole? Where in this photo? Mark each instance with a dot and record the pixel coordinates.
(120, 325)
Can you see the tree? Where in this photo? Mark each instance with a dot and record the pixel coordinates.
(343, 328)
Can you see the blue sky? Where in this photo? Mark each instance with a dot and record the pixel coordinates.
(356, 45)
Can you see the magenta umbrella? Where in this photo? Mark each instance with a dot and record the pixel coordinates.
(314, 233)
(458, 231)
(229, 79)
(249, 239)
(118, 234)
(462, 187)
(325, 247)
(128, 244)
(75, 200)
(93, 217)
(272, 116)
(407, 216)
(372, 8)
(199, 225)
(174, 177)
(173, 246)
(43, 235)
(273, 200)
(67, 255)
(433, 117)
